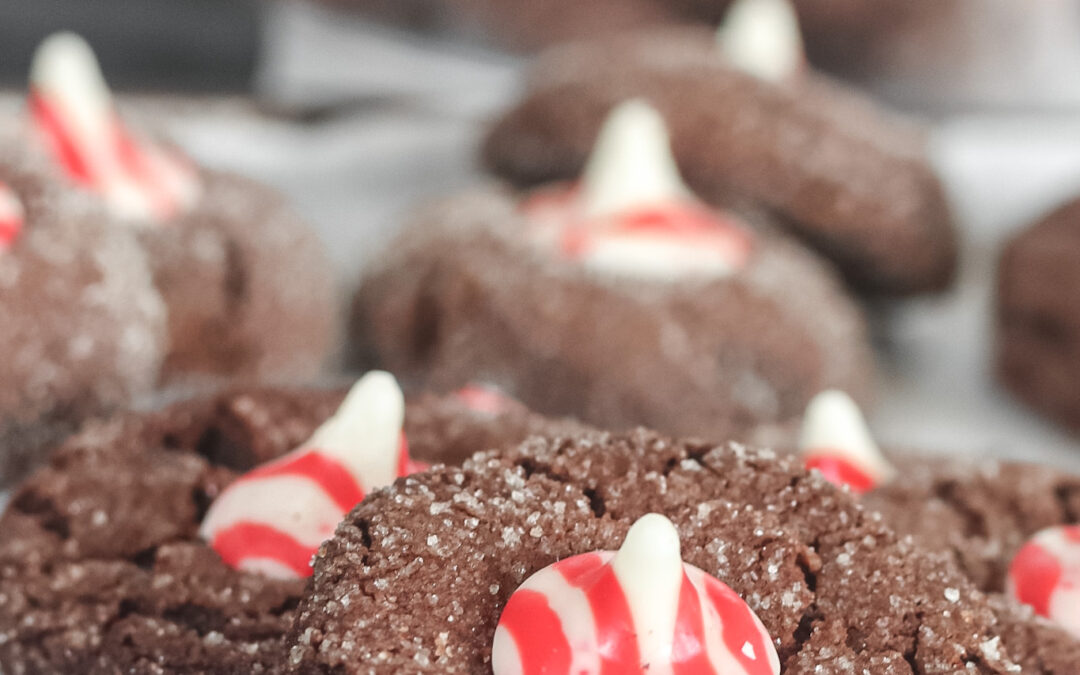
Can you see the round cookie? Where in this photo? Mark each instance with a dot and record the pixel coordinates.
(619, 301)
(1038, 355)
(101, 565)
(82, 328)
(847, 177)
(980, 512)
(417, 575)
(246, 282)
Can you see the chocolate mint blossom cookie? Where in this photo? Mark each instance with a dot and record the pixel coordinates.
(1012, 528)
(245, 281)
(177, 541)
(749, 122)
(434, 573)
(82, 329)
(620, 300)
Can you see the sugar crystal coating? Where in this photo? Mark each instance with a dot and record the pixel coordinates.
(831, 584)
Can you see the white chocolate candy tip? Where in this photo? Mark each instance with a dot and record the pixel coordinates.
(652, 537)
(762, 37)
(364, 432)
(272, 519)
(649, 568)
(631, 163)
(587, 614)
(65, 62)
(1045, 574)
(74, 114)
(833, 425)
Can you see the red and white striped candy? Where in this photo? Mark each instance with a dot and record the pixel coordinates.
(836, 441)
(627, 611)
(73, 113)
(273, 519)
(1046, 575)
(12, 216)
(485, 399)
(762, 37)
(632, 213)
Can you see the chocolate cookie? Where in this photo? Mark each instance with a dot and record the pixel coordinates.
(101, 565)
(980, 512)
(1038, 353)
(464, 293)
(983, 515)
(417, 575)
(246, 282)
(82, 328)
(847, 177)
(620, 300)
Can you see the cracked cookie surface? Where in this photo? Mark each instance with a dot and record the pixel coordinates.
(101, 566)
(417, 575)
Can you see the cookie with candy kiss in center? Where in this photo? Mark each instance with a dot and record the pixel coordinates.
(640, 608)
(417, 577)
(82, 329)
(272, 519)
(245, 281)
(749, 124)
(620, 299)
(102, 567)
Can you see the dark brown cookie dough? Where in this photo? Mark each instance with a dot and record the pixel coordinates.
(1038, 319)
(981, 512)
(846, 176)
(101, 566)
(247, 283)
(463, 294)
(416, 576)
(82, 329)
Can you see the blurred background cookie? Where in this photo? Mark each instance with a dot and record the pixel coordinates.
(1038, 317)
(848, 177)
(83, 328)
(621, 300)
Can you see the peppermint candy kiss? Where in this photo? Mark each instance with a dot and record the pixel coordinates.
(1046, 575)
(632, 214)
(640, 609)
(836, 442)
(74, 114)
(485, 399)
(762, 37)
(273, 519)
(12, 216)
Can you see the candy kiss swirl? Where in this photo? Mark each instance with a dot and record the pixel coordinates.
(272, 519)
(12, 216)
(73, 114)
(632, 215)
(836, 442)
(1046, 575)
(638, 609)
